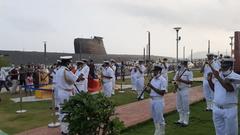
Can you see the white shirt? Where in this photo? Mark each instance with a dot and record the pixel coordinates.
(114, 69)
(208, 70)
(186, 76)
(107, 71)
(221, 96)
(53, 74)
(65, 81)
(165, 71)
(159, 83)
(143, 69)
(85, 71)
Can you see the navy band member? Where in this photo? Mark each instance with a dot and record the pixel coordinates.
(158, 89)
(183, 78)
(65, 86)
(225, 112)
(107, 75)
(206, 70)
(140, 78)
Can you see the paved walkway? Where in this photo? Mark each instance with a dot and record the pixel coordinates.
(133, 113)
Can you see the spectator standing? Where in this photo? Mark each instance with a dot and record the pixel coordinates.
(3, 76)
(14, 78)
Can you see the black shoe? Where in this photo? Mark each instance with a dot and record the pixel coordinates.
(177, 123)
(64, 133)
(208, 110)
(184, 125)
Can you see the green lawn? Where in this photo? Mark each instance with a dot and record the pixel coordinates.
(38, 114)
(200, 124)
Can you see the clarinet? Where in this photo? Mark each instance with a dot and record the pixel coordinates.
(145, 88)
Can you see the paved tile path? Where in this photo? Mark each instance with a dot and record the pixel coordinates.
(132, 113)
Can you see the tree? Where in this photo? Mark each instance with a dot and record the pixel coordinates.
(91, 115)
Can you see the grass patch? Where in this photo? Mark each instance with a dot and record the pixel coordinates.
(200, 124)
(38, 114)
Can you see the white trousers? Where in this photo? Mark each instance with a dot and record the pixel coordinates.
(157, 108)
(86, 85)
(140, 86)
(107, 89)
(183, 101)
(63, 97)
(225, 121)
(183, 105)
(81, 87)
(208, 94)
(14, 86)
(133, 81)
(113, 84)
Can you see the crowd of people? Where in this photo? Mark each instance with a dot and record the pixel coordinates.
(219, 86)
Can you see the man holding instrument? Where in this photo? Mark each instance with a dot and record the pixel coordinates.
(65, 86)
(158, 89)
(206, 70)
(225, 102)
(140, 78)
(183, 79)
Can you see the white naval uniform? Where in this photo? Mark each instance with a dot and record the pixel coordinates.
(65, 81)
(182, 95)
(113, 79)
(54, 81)
(225, 110)
(107, 83)
(165, 72)
(86, 70)
(208, 93)
(133, 78)
(82, 85)
(140, 81)
(157, 104)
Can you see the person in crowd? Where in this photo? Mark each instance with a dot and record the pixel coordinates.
(183, 79)
(80, 86)
(123, 71)
(114, 78)
(158, 86)
(133, 72)
(14, 78)
(206, 70)
(107, 75)
(140, 78)
(225, 102)
(165, 67)
(29, 84)
(65, 86)
(3, 76)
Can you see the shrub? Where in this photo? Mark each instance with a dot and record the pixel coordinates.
(91, 115)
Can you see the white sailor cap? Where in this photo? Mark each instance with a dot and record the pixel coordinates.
(79, 62)
(106, 62)
(157, 67)
(65, 57)
(184, 61)
(112, 60)
(210, 54)
(84, 60)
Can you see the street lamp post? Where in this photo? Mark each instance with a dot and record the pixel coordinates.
(231, 44)
(183, 52)
(149, 48)
(45, 51)
(178, 39)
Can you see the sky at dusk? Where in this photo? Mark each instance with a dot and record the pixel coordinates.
(25, 24)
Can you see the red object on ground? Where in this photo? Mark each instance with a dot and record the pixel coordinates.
(94, 85)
